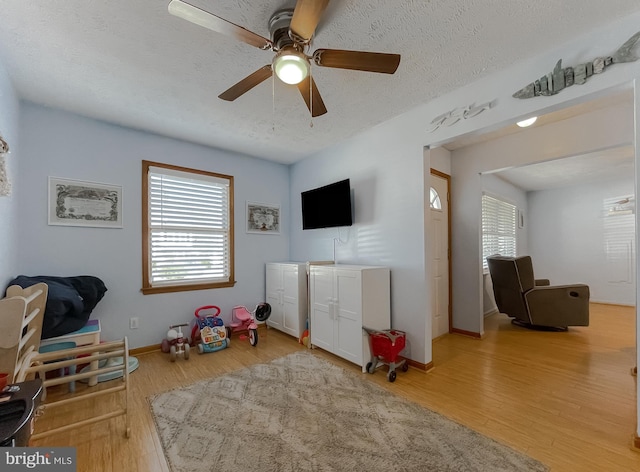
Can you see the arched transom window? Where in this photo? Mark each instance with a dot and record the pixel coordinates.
(434, 199)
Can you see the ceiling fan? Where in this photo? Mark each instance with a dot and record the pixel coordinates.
(291, 32)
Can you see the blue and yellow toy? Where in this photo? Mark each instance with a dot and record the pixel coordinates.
(210, 330)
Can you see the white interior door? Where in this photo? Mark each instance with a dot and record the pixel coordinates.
(439, 208)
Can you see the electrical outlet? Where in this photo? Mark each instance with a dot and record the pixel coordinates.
(133, 322)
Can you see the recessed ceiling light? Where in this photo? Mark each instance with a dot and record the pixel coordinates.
(527, 122)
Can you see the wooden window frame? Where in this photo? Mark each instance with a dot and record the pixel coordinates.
(147, 288)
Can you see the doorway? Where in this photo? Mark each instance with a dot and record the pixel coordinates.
(476, 153)
(574, 207)
(597, 124)
(440, 253)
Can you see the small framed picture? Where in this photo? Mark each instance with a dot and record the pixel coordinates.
(263, 218)
(79, 203)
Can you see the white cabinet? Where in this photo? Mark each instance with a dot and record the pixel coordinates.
(286, 287)
(344, 298)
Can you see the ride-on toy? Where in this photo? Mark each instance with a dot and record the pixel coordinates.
(209, 330)
(243, 320)
(175, 343)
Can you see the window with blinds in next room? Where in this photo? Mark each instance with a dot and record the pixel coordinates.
(498, 228)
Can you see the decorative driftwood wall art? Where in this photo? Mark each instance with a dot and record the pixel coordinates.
(5, 185)
(563, 77)
(452, 117)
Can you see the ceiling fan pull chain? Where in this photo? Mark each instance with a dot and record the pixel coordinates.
(273, 103)
(310, 96)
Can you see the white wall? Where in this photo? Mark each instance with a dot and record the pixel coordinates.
(9, 108)
(573, 241)
(55, 143)
(440, 159)
(385, 166)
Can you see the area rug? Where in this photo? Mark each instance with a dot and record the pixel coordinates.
(302, 413)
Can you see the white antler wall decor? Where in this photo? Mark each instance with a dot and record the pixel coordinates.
(462, 113)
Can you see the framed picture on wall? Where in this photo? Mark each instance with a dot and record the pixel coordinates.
(263, 218)
(79, 203)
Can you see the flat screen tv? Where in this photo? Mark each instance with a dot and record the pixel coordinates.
(328, 206)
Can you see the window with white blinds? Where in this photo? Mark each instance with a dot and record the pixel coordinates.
(188, 238)
(498, 228)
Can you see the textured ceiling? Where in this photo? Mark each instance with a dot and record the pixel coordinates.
(615, 163)
(130, 62)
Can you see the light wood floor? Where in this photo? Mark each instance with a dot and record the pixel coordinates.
(566, 399)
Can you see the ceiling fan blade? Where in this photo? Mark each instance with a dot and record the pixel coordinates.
(357, 60)
(305, 19)
(312, 97)
(200, 17)
(246, 84)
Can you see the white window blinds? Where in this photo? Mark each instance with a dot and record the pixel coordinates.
(498, 228)
(189, 227)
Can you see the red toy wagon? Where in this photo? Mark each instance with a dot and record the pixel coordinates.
(385, 347)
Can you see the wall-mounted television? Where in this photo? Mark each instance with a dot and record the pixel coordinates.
(328, 206)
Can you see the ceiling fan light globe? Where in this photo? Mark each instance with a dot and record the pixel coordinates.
(290, 68)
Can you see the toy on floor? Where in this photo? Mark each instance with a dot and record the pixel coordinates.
(202, 312)
(112, 362)
(175, 343)
(243, 320)
(209, 330)
(385, 346)
(304, 338)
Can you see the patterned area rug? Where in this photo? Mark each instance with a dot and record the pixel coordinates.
(302, 413)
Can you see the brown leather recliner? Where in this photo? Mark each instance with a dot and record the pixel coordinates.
(535, 303)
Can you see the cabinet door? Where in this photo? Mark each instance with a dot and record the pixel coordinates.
(273, 286)
(322, 307)
(290, 302)
(348, 335)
